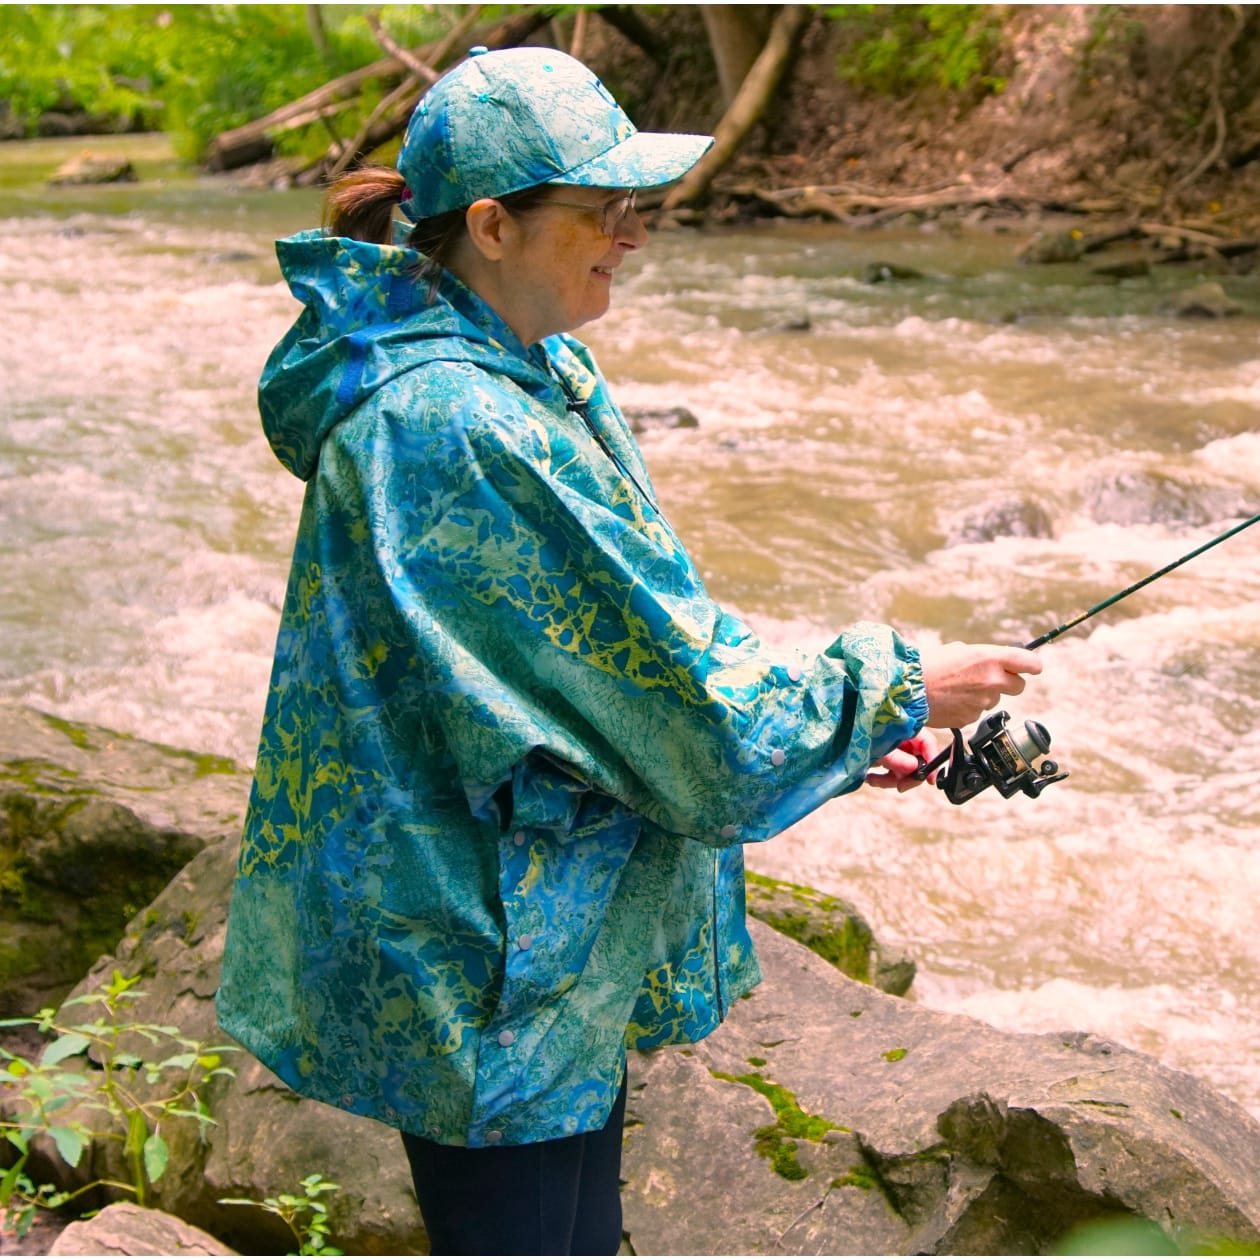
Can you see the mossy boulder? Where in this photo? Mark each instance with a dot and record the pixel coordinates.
(827, 1118)
(93, 825)
(830, 927)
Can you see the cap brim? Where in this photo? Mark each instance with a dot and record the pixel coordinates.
(646, 159)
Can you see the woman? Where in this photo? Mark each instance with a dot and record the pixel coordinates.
(511, 748)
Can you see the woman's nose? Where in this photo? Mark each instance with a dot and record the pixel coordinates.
(630, 231)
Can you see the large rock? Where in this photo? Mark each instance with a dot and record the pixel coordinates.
(1012, 517)
(1145, 497)
(266, 1139)
(1204, 301)
(93, 168)
(648, 419)
(123, 1229)
(882, 272)
(93, 825)
(824, 1116)
(827, 1118)
(1053, 247)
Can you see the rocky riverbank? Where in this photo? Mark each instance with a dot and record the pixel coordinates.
(826, 1116)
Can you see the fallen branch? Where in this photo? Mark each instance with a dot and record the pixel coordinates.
(255, 140)
(746, 109)
(845, 204)
(391, 119)
(404, 97)
(247, 143)
(421, 69)
(953, 196)
(1186, 233)
(851, 190)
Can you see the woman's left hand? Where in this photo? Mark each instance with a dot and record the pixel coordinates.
(897, 769)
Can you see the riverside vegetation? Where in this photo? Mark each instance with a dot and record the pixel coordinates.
(850, 113)
(81, 1088)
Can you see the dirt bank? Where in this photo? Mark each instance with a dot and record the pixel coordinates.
(1130, 113)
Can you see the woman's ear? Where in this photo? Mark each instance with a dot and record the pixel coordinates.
(486, 221)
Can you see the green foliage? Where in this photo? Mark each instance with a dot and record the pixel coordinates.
(303, 1213)
(900, 48)
(234, 63)
(1117, 1236)
(73, 1103)
(1126, 1235)
(193, 70)
(65, 55)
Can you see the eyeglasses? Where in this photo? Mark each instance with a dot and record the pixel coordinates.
(612, 213)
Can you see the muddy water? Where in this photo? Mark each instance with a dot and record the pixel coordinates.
(980, 453)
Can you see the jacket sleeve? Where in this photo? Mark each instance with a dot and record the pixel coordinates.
(567, 644)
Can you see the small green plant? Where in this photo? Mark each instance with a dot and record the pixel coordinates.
(85, 1086)
(901, 48)
(21, 1198)
(304, 1214)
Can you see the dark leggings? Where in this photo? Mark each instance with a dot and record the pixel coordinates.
(557, 1198)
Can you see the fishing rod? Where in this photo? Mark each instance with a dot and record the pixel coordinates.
(1051, 635)
(994, 756)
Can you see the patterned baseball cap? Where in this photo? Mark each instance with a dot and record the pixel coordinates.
(502, 121)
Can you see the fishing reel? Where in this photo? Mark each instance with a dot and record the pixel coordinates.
(995, 756)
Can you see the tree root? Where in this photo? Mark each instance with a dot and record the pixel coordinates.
(855, 207)
(1216, 110)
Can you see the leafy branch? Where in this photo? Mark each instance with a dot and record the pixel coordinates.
(310, 1234)
(84, 1087)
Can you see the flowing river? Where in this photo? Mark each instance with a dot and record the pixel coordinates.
(977, 454)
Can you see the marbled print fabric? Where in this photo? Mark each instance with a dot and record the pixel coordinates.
(511, 748)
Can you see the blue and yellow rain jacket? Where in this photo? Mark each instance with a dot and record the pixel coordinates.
(511, 747)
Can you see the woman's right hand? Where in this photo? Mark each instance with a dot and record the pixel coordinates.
(965, 680)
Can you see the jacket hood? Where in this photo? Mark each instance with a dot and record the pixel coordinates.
(365, 322)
